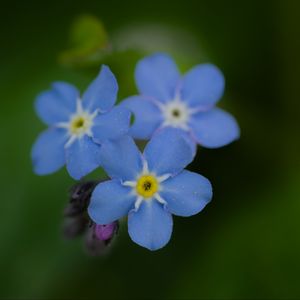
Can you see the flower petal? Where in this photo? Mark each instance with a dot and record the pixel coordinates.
(57, 104)
(151, 226)
(187, 135)
(186, 194)
(111, 125)
(110, 201)
(48, 154)
(203, 85)
(121, 158)
(102, 92)
(168, 152)
(147, 117)
(82, 156)
(214, 128)
(157, 76)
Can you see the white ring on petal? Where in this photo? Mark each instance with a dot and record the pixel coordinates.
(129, 183)
(139, 199)
(176, 113)
(163, 177)
(138, 203)
(160, 199)
(87, 118)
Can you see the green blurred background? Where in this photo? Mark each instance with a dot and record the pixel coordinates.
(246, 243)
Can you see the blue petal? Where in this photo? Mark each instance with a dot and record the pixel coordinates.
(110, 201)
(151, 226)
(48, 153)
(147, 117)
(203, 86)
(186, 194)
(168, 152)
(187, 135)
(157, 76)
(82, 156)
(121, 158)
(111, 125)
(102, 92)
(214, 128)
(57, 104)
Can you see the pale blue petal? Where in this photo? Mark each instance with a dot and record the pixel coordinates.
(57, 104)
(187, 135)
(82, 157)
(186, 194)
(157, 76)
(168, 152)
(151, 226)
(121, 158)
(110, 201)
(147, 117)
(102, 92)
(111, 125)
(203, 85)
(48, 153)
(214, 128)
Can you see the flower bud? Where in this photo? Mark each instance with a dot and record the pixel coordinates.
(98, 237)
(106, 232)
(80, 195)
(74, 227)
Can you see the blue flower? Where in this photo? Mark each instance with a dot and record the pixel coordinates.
(149, 187)
(188, 103)
(78, 127)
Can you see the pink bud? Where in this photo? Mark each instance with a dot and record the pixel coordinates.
(106, 232)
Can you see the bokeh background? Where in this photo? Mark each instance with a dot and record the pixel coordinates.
(245, 244)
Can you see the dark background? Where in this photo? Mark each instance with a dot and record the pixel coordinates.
(246, 243)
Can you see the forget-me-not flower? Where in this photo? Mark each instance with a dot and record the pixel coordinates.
(78, 126)
(149, 187)
(185, 102)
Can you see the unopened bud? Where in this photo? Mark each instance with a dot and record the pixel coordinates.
(98, 237)
(106, 232)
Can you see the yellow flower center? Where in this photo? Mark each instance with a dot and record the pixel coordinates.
(79, 125)
(147, 186)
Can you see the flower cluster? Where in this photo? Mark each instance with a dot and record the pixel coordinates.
(173, 112)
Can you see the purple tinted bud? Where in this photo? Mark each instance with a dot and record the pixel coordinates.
(93, 245)
(74, 227)
(80, 195)
(106, 232)
(98, 237)
(77, 222)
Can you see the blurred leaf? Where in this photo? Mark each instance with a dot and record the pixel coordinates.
(88, 40)
(150, 37)
(91, 47)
